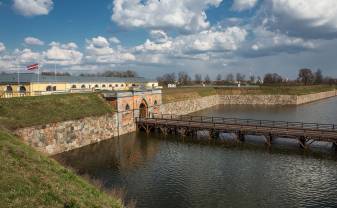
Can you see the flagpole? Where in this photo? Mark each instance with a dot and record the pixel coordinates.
(38, 74)
(55, 72)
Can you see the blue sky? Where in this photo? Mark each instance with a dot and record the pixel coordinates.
(154, 37)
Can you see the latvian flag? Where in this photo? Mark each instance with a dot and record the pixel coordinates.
(32, 67)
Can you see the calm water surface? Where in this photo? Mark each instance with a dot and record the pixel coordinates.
(168, 173)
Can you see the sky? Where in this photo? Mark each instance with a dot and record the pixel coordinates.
(153, 37)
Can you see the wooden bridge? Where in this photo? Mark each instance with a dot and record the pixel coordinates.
(186, 125)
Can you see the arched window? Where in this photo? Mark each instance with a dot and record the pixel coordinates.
(9, 89)
(155, 102)
(122, 85)
(49, 88)
(54, 88)
(133, 85)
(22, 89)
(83, 86)
(127, 107)
(110, 85)
(96, 86)
(116, 85)
(103, 86)
(73, 86)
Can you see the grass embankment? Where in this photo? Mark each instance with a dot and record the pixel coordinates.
(178, 94)
(31, 111)
(30, 179)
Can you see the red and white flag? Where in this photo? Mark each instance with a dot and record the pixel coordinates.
(32, 67)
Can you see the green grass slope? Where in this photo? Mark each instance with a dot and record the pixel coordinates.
(30, 179)
(31, 111)
(184, 93)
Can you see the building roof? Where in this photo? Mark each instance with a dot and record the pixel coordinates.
(33, 78)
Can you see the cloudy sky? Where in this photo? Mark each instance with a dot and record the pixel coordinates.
(153, 37)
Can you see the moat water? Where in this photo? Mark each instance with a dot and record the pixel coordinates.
(167, 172)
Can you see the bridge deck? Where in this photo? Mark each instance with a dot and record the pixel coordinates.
(315, 131)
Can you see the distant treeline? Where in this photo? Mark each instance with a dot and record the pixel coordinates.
(128, 73)
(305, 77)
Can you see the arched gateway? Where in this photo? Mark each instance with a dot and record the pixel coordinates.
(143, 109)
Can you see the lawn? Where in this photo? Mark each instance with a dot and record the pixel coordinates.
(183, 93)
(31, 111)
(30, 179)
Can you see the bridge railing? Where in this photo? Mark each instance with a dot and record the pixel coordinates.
(246, 122)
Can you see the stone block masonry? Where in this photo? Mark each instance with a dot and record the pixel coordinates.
(64, 136)
(193, 105)
(189, 106)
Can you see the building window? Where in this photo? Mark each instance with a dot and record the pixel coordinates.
(83, 86)
(133, 85)
(127, 85)
(103, 86)
(155, 102)
(73, 86)
(110, 85)
(54, 88)
(116, 85)
(96, 86)
(127, 107)
(49, 88)
(9, 89)
(122, 85)
(22, 89)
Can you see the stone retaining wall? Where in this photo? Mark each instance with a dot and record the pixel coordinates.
(258, 100)
(189, 106)
(193, 105)
(64, 136)
(314, 97)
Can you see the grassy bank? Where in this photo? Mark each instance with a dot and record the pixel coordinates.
(177, 94)
(30, 111)
(30, 179)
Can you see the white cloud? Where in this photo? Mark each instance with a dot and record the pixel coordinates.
(187, 15)
(213, 40)
(25, 56)
(269, 43)
(114, 40)
(33, 41)
(63, 54)
(303, 18)
(2, 47)
(98, 50)
(240, 5)
(33, 7)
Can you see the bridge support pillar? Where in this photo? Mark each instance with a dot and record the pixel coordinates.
(214, 134)
(240, 137)
(334, 146)
(303, 142)
(269, 140)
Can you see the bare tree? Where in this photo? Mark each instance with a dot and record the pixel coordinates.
(272, 78)
(184, 78)
(318, 77)
(230, 77)
(207, 80)
(198, 78)
(219, 79)
(306, 76)
(169, 78)
(240, 77)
